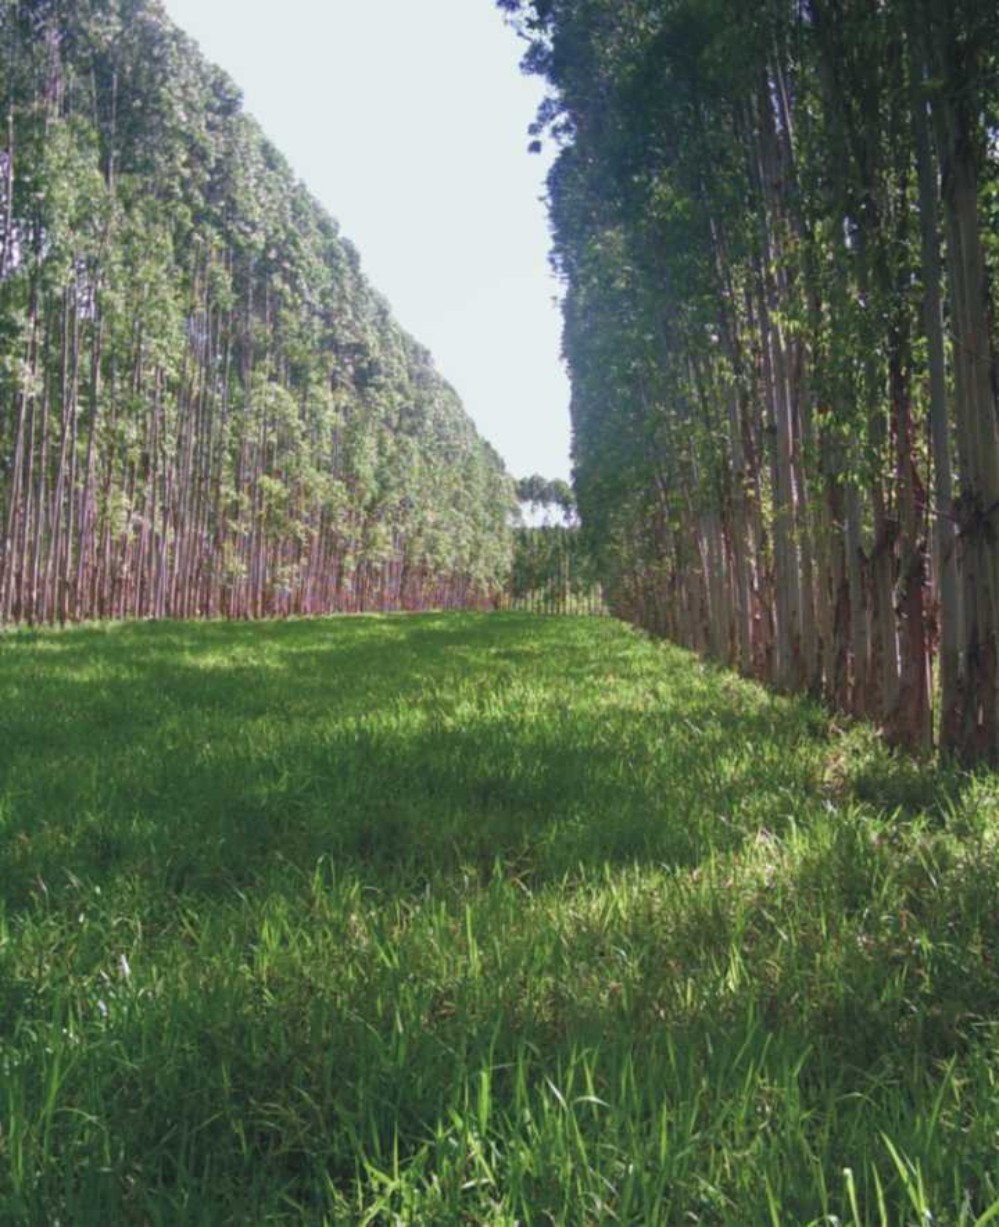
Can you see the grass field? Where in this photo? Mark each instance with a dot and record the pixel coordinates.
(478, 920)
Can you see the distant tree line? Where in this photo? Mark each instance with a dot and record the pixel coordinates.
(778, 224)
(204, 407)
(553, 570)
(540, 493)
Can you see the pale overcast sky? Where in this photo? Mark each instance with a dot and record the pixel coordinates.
(407, 119)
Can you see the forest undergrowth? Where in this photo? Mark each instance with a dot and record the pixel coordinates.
(468, 919)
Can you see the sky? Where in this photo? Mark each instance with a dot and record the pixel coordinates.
(407, 120)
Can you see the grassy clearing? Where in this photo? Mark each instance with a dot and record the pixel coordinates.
(469, 920)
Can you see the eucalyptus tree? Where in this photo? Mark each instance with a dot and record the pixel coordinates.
(204, 407)
(772, 364)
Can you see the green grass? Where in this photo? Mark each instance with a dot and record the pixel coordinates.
(472, 920)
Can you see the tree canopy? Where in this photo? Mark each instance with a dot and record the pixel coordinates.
(539, 492)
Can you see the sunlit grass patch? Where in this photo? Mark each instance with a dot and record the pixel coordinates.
(477, 920)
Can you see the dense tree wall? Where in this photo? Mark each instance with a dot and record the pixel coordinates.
(204, 407)
(777, 223)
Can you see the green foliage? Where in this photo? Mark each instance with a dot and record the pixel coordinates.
(539, 492)
(553, 572)
(465, 919)
(205, 407)
(750, 239)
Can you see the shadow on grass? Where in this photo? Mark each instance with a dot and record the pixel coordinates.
(202, 760)
(199, 755)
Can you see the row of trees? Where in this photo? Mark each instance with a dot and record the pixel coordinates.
(204, 407)
(778, 224)
(553, 572)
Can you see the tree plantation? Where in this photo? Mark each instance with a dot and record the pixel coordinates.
(552, 569)
(204, 407)
(777, 223)
(476, 917)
